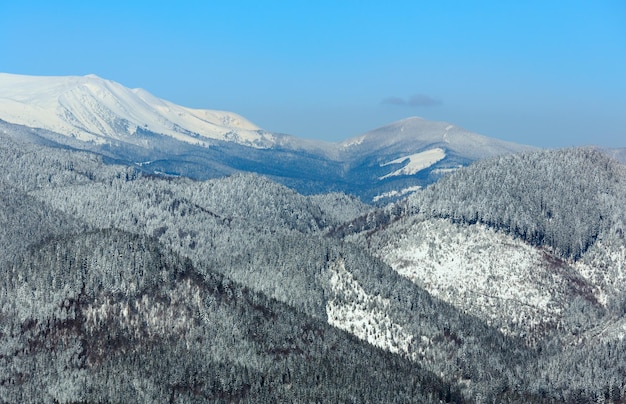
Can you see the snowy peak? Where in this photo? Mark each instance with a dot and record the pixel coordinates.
(416, 134)
(409, 154)
(93, 109)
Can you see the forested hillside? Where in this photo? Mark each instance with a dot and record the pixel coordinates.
(109, 316)
(531, 243)
(559, 199)
(570, 202)
(270, 239)
(117, 286)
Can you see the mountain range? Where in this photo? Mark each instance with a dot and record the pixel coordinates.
(133, 126)
(499, 277)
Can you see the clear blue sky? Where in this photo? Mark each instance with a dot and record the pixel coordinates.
(547, 73)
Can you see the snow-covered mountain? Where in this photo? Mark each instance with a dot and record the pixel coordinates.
(416, 134)
(404, 156)
(136, 127)
(93, 109)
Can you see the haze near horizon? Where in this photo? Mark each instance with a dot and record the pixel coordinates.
(544, 74)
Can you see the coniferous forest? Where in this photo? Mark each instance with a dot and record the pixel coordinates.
(502, 282)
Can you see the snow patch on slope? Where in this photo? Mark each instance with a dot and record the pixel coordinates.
(353, 142)
(489, 274)
(604, 264)
(396, 194)
(363, 315)
(444, 171)
(416, 162)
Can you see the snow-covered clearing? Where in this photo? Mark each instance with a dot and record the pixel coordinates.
(487, 273)
(416, 162)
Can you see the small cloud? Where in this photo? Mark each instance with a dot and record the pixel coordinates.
(421, 100)
(417, 100)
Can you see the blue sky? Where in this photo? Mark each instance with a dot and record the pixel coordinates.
(547, 73)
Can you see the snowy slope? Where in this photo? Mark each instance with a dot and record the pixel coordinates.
(518, 288)
(415, 134)
(364, 315)
(92, 109)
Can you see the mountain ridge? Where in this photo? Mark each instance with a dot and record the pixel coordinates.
(94, 109)
(418, 133)
(136, 127)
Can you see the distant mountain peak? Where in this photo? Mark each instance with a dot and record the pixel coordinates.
(97, 110)
(415, 134)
